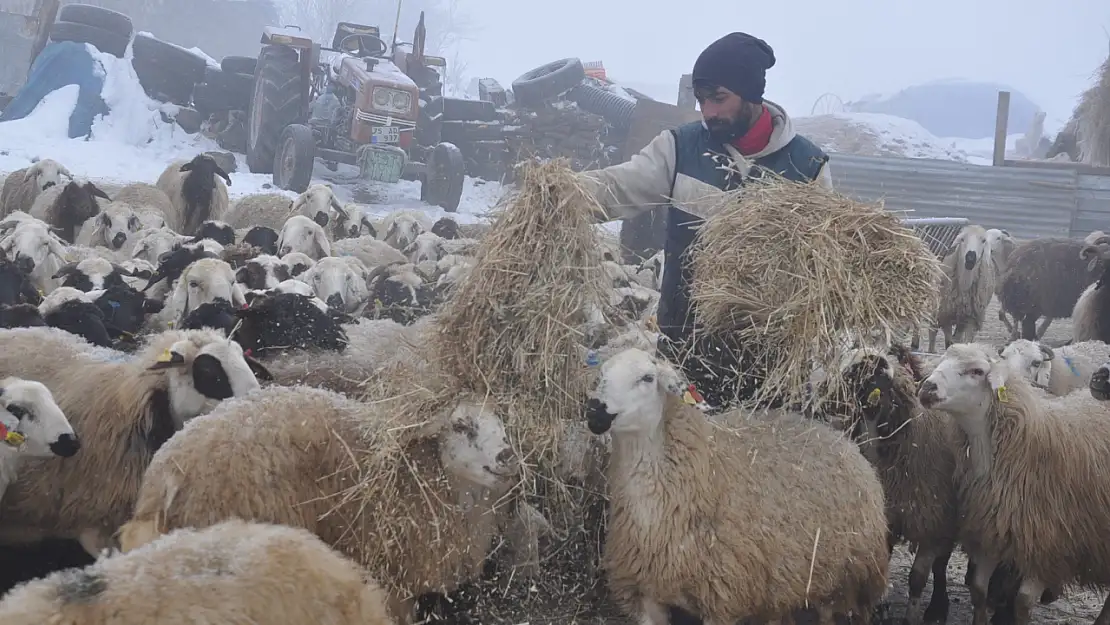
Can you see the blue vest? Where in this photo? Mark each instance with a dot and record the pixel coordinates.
(800, 160)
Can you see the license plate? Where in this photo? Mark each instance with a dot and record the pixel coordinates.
(384, 164)
(385, 134)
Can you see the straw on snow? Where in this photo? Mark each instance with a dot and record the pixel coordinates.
(795, 272)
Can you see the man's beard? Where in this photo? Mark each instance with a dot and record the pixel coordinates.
(726, 130)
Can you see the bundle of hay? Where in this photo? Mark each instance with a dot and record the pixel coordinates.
(1093, 120)
(798, 273)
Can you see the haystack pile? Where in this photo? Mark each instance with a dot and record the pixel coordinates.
(1092, 117)
(798, 273)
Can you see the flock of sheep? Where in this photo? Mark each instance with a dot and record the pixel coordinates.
(172, 381)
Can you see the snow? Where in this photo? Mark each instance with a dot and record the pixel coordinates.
(133, 144)
(207, 59)
(875, 134)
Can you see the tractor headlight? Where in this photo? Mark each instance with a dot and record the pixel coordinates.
(382, 97)
(402, 101)
(392, 100)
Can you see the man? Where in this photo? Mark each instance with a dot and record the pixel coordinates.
(680, 166)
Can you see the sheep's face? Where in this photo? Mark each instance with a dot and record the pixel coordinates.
(46, 173)
(20, 316)
(206, 368)
(339, 283)
(301, 234)
(972, 247)
(91, 274)
(869, 379)
(475, 447)
(402, 231)
(217, 231)
(1031, 360)
(32, 245)
(263, 238)
(1100, 383)
(446, 227)
(28, 410)
(262, 272)
(630, 393)
(964, 381)
(316, 204)
(403, 298)
(116, 225)
(426, 247)
(298, 263)
(294, 286)
(153, 244)
(205, 281)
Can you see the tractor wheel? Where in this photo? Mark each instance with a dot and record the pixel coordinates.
(443, 186)
(547, 82)
(104, 40)
(99, 17)
(276, 103)
(295, 158)
(239, 64)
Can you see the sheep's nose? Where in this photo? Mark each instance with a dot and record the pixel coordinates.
(598, 417)
(118, 240)
(321, 218)
(928, 393)
(66, 446)
(335, 300)
(48, 185)
(507, 457)
(1100, 384)
(26, 264)
(969, 260)
(285, 249)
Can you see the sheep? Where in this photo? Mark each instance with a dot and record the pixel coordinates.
(110, 228)
(1059, 371)
(352, 221)
(241, 570)
(1002, 246)
(268, 210)
(147, 199)
(1045, 278)
(217, 231)
(913, 451)
(1033, 483)
(16, 284)
(23, 186)
(430, 247)
(968, 289)
(372, 252)
(1091, 314)
(340, 282)
(20, 316)
(398, 293)
(301, 234)
(400, 228)
(285, 321)
(1100, 382)
(31, 426)
(91, 274)
(262, 272)
(650, 272)
(461, 455)
(203, 281)
(446, 228)
(263, 238)
(170, 267)
(298, 263)
(680, 537)
(137, 272)
(76, 312)
(124, 409)
(68, 206)
(196, 193)
(616, 275)
(316, 202)
(152, 243)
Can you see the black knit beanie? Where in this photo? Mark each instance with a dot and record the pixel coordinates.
(738, 62)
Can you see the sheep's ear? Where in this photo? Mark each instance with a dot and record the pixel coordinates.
(260, 371)
(392, 230)
(30, 173)
(370, 227)
(133, 223)
(96, 191)
(223, 174)
(104, 219)
(998, 375)
(64, 271)
(187, 167)
(241, 274)
(168, 360)
(337, 206)
(1047, 351)
(152, 306)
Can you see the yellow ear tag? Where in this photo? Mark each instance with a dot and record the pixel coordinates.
(1001, 392)
(166, 356)
(170, 324)
(15, 438)
(688, 398)
(41, 294)
(873, 397)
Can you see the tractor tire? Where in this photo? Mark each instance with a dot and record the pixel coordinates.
(547, 82)
(463, 110)
(239, 65)
(275, 103)
(295, 158)
(166, 72)
(106, 41)
(98, 17)
(223, 91)
(443, 186)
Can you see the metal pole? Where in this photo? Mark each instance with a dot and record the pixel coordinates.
(396, 26)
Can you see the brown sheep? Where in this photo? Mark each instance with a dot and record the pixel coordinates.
(1045, 278)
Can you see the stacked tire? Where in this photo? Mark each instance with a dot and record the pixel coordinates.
(226, 88)
(167, 72)
(534, 89)
(107, 31)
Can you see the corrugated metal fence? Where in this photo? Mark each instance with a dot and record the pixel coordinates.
(1027, 202)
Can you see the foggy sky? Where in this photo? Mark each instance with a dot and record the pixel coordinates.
(1049, 51)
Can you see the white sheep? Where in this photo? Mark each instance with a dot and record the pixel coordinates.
(968, 289)
(196, 193)
(230, 573)
(340, 282)
(1032, 477)
(298, 263)
(145, 198)
(124, 409)
(1059, 371)
(615, 275)
(269, 210)
(31, 426)
(650, 272)
(140, 272)
(262, 272)
(316, 203)
(742, 547)
(150, 244)
(67, 206)
(203, 282)
(301, 234)
(370, 251)
(34, 240)
(1002, 245)
(110, 228)
(400, 228)
(352, 221)
(22, 186)
(91, 274)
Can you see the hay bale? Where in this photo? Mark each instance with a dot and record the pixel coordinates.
(798, 272)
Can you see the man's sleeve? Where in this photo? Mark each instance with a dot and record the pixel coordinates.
(636, 186)
(824, 177)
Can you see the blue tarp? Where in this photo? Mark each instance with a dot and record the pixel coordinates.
(62, 63)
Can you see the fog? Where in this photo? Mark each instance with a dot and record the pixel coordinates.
(851, 48)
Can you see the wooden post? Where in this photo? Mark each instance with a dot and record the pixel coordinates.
(686, 98)
(1001, 124)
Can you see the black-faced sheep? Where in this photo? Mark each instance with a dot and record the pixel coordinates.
(1045, 278)
(968, 289)
(400, 228)
(23, 186)
(446, 228)
(110, 228)
(286, 321)
(743, 547)
(913, 452)
(196, 192)
(370, 251)
(341, 282)
(262, 272)
(298, 263)
(31, 426)
(263, 238)
(91, 274)
(301, 234)
(352, 221)
(1058, 371)
(73, 311)
(125, 309)
(16, 286)
(217, 231)
(243, 571)
(20, 316)
(459, 462)
(67, 207)
(1033, 482)
(124, 409)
